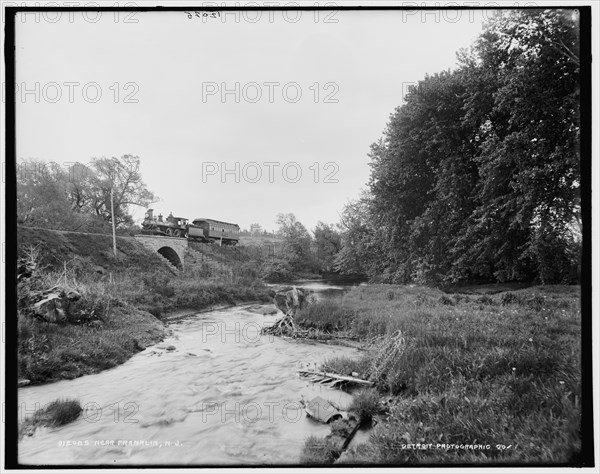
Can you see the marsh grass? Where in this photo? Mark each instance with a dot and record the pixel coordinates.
(347, 365)
(325, 315)
(498, 368)
(366, 403)
(319, 451)
(55, 414)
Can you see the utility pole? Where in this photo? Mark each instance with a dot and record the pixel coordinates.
(112, 213)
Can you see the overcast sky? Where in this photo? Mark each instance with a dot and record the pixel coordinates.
(313, 93)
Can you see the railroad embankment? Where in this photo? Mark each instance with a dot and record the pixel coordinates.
(80, 309)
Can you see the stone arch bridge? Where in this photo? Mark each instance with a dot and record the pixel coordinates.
(171, 248)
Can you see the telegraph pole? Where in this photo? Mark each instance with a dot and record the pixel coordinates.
(112, 213)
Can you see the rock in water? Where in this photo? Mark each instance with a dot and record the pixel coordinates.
(291, 300)
(321, 410)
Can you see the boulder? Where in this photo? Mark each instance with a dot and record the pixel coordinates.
(291, 300)
(52, 308)
(53, 304)
(322, 410)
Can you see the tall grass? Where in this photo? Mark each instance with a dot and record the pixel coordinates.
(117, 315)
(492, 369)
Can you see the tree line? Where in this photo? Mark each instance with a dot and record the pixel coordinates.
(77, 196)
(477, 174)
(476, 177)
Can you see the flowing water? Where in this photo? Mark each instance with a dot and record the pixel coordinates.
(225, 395)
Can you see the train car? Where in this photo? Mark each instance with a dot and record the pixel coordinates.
(211, 230)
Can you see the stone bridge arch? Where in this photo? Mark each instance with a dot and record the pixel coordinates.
(171, 256)
(172, 248)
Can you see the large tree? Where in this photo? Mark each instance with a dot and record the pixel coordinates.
(328, 243)
(297, 242)
(528, 192)
(477, 174)
(77, 196)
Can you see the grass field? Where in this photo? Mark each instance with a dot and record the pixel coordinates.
(498, 374)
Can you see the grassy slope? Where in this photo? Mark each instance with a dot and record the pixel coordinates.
(122, 301)
(88, 251)
(490, 369)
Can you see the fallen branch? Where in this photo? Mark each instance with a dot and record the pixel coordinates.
(328, 377)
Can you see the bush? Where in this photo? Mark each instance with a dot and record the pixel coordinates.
(276, 270)
(366, 403)
(509, 298)
(59, 412)
(485, 300)
(444, 300)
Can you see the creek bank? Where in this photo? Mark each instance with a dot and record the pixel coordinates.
(206, 393)
(59, 350)
(432, 354)
(67, 331)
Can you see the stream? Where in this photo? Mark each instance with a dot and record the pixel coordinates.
(225, 395)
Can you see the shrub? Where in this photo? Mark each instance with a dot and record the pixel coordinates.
(444, 300)
(509, 298)
(276, 270)
(366, 403)
(59, 412)
(485, 300)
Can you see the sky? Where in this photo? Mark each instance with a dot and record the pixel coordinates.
(238, 117)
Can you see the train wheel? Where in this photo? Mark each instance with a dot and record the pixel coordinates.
(169, 231)
(177, 233)
(185, 234)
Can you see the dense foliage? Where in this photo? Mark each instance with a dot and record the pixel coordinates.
(477, 175)
(77, 197)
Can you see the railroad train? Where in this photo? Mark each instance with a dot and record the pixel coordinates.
(200, 229)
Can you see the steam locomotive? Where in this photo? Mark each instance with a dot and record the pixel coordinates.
(200, 229)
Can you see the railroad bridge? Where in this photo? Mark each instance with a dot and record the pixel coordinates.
(171, 248)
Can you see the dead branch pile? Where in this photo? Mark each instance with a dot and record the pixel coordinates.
(387, 358)
(289, 301)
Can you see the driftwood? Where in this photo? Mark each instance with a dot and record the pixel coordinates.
(289, 301)
(332, 380)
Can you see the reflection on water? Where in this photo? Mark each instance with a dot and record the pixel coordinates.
(327, 289)
(225, 395)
